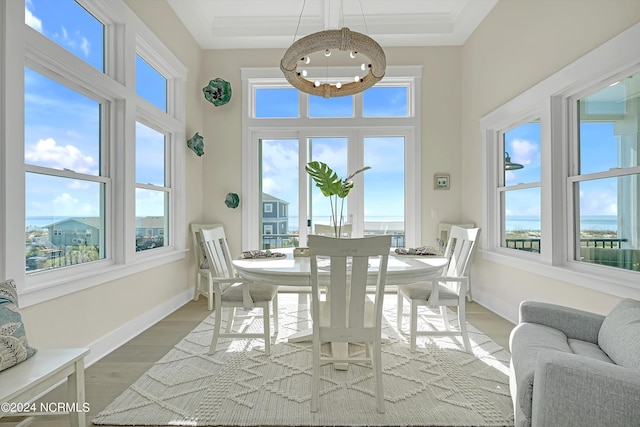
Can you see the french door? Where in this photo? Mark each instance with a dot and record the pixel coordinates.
(289, 205)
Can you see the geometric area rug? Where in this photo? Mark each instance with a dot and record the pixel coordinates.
(438, 385)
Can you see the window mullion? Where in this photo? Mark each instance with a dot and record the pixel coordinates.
(355, 161)
(520, 186)
(303, 187)
(65, 173)
(614, 172)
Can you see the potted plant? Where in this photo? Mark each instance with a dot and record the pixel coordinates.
(333, 187)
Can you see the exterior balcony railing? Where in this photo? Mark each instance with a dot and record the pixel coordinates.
(275, 241)
(533, 244)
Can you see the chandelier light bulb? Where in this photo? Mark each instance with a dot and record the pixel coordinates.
(353, 54)
(356, 79)
(327, 53)
(304, 73)
(363, 67)
(307, 60)
(317, 83)
(338, 85)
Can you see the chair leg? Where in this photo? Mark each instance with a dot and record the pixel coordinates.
(445, 317)
(210, 296)
(274, 306)
(230, 316)
(399, 310)
(462, 323)
(315, 378)
(196, 291)
(377, 372)
(216, 330)
(267, 328)
(414, 325)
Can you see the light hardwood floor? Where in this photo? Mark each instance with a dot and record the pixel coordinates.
(110, 376)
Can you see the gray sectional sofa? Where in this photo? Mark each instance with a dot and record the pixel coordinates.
(574, 368)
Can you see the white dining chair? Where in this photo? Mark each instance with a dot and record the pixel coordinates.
(202, 265)
(448, 289)
(232, 292)
(346, 314)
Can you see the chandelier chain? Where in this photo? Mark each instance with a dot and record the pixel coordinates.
(300, 19)
(366, 28)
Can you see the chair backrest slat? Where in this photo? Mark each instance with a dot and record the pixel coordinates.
(460, 249)
(217, 247)
(198, 245)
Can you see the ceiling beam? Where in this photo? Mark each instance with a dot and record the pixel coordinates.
(332, 14)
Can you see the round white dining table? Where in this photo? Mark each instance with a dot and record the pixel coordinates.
(295, 271)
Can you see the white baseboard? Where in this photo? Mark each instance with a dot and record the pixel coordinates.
(117, 337)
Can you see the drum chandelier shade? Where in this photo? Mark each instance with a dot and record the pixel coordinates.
(323, 41)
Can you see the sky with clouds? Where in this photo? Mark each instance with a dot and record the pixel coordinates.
(69, 138)
(62, 126)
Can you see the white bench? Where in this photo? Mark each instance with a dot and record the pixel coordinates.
(20, 385)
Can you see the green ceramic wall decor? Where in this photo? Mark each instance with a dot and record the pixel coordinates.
(196, 143)
(217, 92)
(232, 200)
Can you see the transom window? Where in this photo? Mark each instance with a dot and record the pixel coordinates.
(70, 26)
(150, 84)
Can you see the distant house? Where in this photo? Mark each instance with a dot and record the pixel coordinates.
(275, 215)
(150, 226)
(76, 231)
(150, 232)
(81, 231)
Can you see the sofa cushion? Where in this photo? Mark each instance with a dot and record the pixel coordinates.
(619, 335)
(14, 347)
(589, 349)
(527, 340)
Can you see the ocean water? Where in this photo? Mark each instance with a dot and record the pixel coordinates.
(293, 220)
(35, 222)
(587, 223)
(513, 223)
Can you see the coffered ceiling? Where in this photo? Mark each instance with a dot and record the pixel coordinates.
(238, 24)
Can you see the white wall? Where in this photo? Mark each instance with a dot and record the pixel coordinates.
(105, 316)
(519, 44)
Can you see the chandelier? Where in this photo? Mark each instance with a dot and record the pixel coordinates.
(357, 44)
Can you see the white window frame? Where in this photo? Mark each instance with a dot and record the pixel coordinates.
(550, 100)
(125, 34)
(502, 188)
(255, 129)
